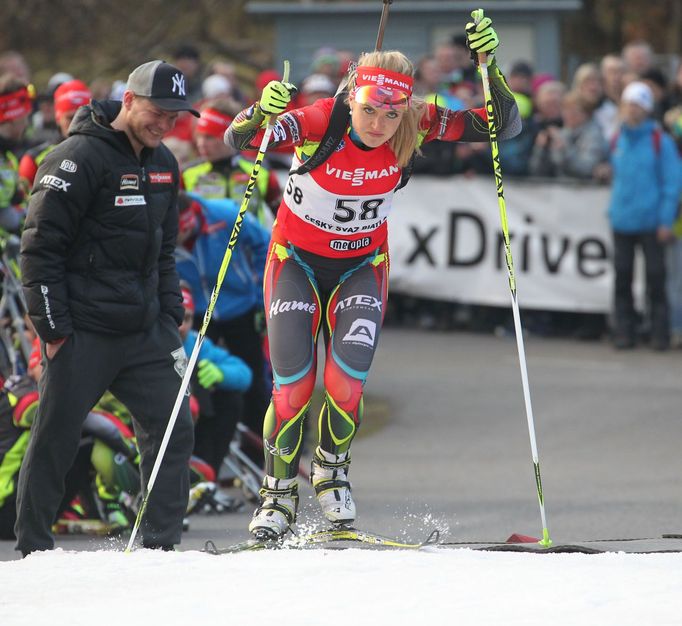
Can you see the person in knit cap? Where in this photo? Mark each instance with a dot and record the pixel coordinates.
(16, 104)
(645, 190)
(68, 98)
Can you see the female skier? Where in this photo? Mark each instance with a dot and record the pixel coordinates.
(328, 258)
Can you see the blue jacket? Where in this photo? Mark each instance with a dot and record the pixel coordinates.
(242, 289)
(646, 180)
(237, 373)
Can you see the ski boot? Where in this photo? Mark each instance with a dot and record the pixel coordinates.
(329, 477)
(277, 509)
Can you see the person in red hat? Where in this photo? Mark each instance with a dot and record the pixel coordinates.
(328, 261)
(68, 98)
(16, 104)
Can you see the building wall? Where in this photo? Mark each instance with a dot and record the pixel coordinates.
(532, 35)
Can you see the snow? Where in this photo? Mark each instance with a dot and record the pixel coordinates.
(432, 586)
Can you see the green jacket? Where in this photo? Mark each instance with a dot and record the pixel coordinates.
(228, 179)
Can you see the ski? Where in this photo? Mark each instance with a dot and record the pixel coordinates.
(244, 546)
(323, 537)
(361, 536)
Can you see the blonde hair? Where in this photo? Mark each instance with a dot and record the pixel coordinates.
(585, 72)
(404, 141)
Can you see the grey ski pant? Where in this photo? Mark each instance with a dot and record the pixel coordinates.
(143, 370)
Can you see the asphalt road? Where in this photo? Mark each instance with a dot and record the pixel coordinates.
(445, 444)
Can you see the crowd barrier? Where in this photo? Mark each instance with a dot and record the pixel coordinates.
(446, 243)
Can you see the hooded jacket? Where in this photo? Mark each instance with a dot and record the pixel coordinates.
(97, 248)
(646, 180)
(242, 290)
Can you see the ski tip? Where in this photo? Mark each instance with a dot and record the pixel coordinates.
(519, 538)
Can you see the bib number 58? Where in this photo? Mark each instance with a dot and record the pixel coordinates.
(348, 209)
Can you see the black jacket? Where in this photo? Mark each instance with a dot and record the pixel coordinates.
(97, 248)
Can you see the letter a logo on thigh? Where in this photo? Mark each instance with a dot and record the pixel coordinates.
(362, 331)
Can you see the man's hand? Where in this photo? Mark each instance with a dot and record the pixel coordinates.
(481, 36)
(209, 374)
(52, 347)
(276, 97)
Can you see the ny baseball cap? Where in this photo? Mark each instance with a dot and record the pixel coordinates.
(163, 84)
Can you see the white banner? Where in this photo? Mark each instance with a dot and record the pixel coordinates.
(446, 243)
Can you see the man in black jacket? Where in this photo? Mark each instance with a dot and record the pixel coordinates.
(102, 291)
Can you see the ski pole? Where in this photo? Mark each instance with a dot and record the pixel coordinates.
(207, 316)
(343, 85)
(497, 168)
(382, 24)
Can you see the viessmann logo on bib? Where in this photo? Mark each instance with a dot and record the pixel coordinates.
(360, 174)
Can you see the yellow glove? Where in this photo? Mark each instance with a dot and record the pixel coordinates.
(209, 374)
(276, 97)
(481, 36)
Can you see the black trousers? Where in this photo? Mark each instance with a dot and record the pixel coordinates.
(220, 411)
(143, 370)
(625, 245)
(242, 339)
(8, 517)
